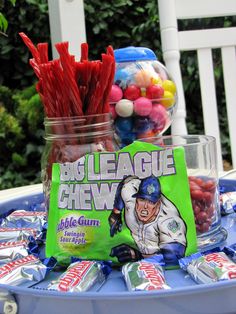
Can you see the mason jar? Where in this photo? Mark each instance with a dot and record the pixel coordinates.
(70, 138)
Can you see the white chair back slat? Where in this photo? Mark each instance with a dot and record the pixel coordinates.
(229, 70)
(203, 41)
(171, 58)
(210, 38)
(67, 23)
(186, 9)
(208, 96)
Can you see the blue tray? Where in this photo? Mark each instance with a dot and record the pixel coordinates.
(185, 297)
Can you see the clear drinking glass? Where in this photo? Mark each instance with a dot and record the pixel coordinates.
(201, 161)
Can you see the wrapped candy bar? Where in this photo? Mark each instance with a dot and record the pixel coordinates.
(25, 219)
(10, 251)
(228, 203)
(25, 271)
(81, 276)
(209, 267)
(18, 234)
(144, 275)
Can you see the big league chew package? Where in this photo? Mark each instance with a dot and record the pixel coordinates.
(122, 206)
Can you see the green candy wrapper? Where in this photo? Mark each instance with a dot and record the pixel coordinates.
(122, 206)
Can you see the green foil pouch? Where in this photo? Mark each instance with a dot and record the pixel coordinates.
(122, 206)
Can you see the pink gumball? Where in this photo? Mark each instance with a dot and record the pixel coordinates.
(159, 116)
(113, 111)
(116, 94)
(142, 106)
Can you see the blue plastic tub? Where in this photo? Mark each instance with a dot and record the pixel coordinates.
(185, 297)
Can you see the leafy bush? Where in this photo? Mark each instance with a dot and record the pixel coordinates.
(31, 17)
(21, 137)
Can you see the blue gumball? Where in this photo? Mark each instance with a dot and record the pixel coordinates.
(127, 138)
(121, 78)
(124, 124)
(142, 124)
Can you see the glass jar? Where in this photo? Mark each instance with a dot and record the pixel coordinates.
(200, 157)
(143, 97)
(70, 138)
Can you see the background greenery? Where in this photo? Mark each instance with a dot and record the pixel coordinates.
(119, 23)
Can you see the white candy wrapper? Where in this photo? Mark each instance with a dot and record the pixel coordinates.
(81, 276)
(25, 219)
(144, 276)
(10, 251)
(17, 234)
(25, 271)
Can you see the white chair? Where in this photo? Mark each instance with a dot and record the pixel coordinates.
(203, 41)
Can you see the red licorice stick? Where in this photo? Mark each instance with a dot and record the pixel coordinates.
(105, 76)
(106, 106)
(60, 90)
(93, 88)
(110, 52)
(31, 47)
(69, 77)
(35, 67)
(48, 87)
(43, 52)
(84, 52)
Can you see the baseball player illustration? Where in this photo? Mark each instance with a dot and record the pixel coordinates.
(153, 220)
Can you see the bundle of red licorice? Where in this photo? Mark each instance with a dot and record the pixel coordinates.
(75, 97)
(68, 87)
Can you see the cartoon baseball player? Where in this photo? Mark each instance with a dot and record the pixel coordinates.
(153, 220)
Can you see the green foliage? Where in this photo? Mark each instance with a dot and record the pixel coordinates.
(21, 137)
(3, 23)
(121, 23)
(27, 16)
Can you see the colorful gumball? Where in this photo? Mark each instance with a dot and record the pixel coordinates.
(121, 77)
(124, 124)
(116, 94)
(154, 91)
(147, 134)
(142, 124)
(128, 138)
(156, 80)
(159, 117)
(168, 99)
(132, 92)
(142, 106)
(124, 108)
(169, 85)
(143, 78)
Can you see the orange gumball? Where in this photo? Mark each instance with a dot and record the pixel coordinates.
(143, 78)
(147, 134)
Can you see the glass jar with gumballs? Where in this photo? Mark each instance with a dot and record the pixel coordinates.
(143, 98)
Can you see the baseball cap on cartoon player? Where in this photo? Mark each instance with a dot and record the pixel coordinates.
(149, 189)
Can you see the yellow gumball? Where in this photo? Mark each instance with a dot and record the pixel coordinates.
(169, 86)
(168, 99)
(156, 80)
